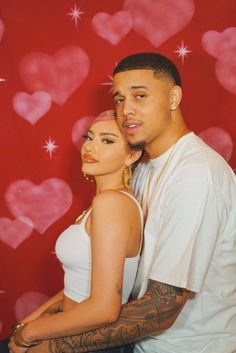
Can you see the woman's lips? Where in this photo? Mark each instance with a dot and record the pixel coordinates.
(88, 159)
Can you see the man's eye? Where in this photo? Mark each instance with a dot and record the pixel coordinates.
(107, 141)
(140, 96)
(87, 137)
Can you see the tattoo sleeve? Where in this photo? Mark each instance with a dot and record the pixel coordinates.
(155, 311)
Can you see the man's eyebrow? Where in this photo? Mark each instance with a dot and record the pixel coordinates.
(107, 133)
(138, 87)
(116, 93)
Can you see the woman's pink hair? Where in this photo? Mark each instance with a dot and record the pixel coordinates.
(104, 116)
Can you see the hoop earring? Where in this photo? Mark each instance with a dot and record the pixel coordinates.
(127, 176)
(89, 178)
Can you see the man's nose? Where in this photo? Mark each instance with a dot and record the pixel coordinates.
(128, 108)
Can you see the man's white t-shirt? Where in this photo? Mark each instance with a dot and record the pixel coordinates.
(190, 242)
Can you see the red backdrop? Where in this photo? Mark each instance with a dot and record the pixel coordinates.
(56, 60)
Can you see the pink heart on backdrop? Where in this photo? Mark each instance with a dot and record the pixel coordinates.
(79, 129)
(59, 75)
(218, 139)
(15, 232)
(1, 29)
(44, 204)
(158, 20)
(32, 107)
(27, 303)
(223, 47)
(112, 27)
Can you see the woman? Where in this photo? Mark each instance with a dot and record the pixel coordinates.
(104, 242)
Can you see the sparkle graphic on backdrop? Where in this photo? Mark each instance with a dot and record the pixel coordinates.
(50, 147)
(75, 14)
(108, 83)
(182, 51)
(2, 79)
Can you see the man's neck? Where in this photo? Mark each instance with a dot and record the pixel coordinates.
(163, 143)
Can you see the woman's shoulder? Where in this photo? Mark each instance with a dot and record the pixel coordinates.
(114, 199)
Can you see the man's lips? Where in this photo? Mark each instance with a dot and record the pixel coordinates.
(89, 159)
(131, 128)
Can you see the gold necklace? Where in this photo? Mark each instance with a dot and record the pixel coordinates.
(81, 216)
(147, 185)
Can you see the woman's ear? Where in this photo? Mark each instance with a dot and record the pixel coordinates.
(133, 157)
(175, 97)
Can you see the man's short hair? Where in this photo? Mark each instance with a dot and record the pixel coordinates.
(156, 62)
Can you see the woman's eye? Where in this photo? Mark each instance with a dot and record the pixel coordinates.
(119, 101)
(87, 137)
(107, 141)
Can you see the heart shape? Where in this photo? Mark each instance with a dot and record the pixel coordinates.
(15, 232)
(59, 75)
(112, 27)
(44, 204)
(223, 47)
(27, 303)
(79, 129)
(32, 107)
(218, 139)
(1, 29)
(158, 20)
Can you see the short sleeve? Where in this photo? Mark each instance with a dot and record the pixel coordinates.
(187, 235)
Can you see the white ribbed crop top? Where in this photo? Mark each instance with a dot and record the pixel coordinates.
(73, 249)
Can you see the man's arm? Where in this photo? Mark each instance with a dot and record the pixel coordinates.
(148, 315)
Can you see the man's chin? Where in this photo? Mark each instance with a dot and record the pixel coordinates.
(137, 146)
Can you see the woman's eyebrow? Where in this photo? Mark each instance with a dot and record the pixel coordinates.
(107, 133)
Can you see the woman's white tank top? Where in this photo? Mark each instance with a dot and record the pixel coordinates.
(73, 249)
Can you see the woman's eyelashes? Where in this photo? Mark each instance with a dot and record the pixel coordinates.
(87, 137)
(106, 141)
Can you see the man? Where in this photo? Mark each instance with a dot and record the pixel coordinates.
(186, 284)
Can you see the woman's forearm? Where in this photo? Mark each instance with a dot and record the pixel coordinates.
(84, 316)
(51, 306)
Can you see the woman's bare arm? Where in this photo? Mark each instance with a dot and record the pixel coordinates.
(110, 236)
(51, 306)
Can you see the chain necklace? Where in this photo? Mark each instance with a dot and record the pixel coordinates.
(81, 216)
(146, 193)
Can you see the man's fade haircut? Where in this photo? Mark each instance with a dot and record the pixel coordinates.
(159, 64)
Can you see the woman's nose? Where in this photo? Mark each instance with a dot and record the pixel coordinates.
(89, 146)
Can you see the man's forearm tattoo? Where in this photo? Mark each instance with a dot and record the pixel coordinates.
(153, 312)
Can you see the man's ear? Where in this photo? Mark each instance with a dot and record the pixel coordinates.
(175, 97)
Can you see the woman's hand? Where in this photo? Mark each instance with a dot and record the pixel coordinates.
(13, 348)
(41, 348)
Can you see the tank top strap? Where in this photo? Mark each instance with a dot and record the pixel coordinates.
(141, 217)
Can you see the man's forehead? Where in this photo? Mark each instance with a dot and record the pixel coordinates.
(135, 79)
(149, 73)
